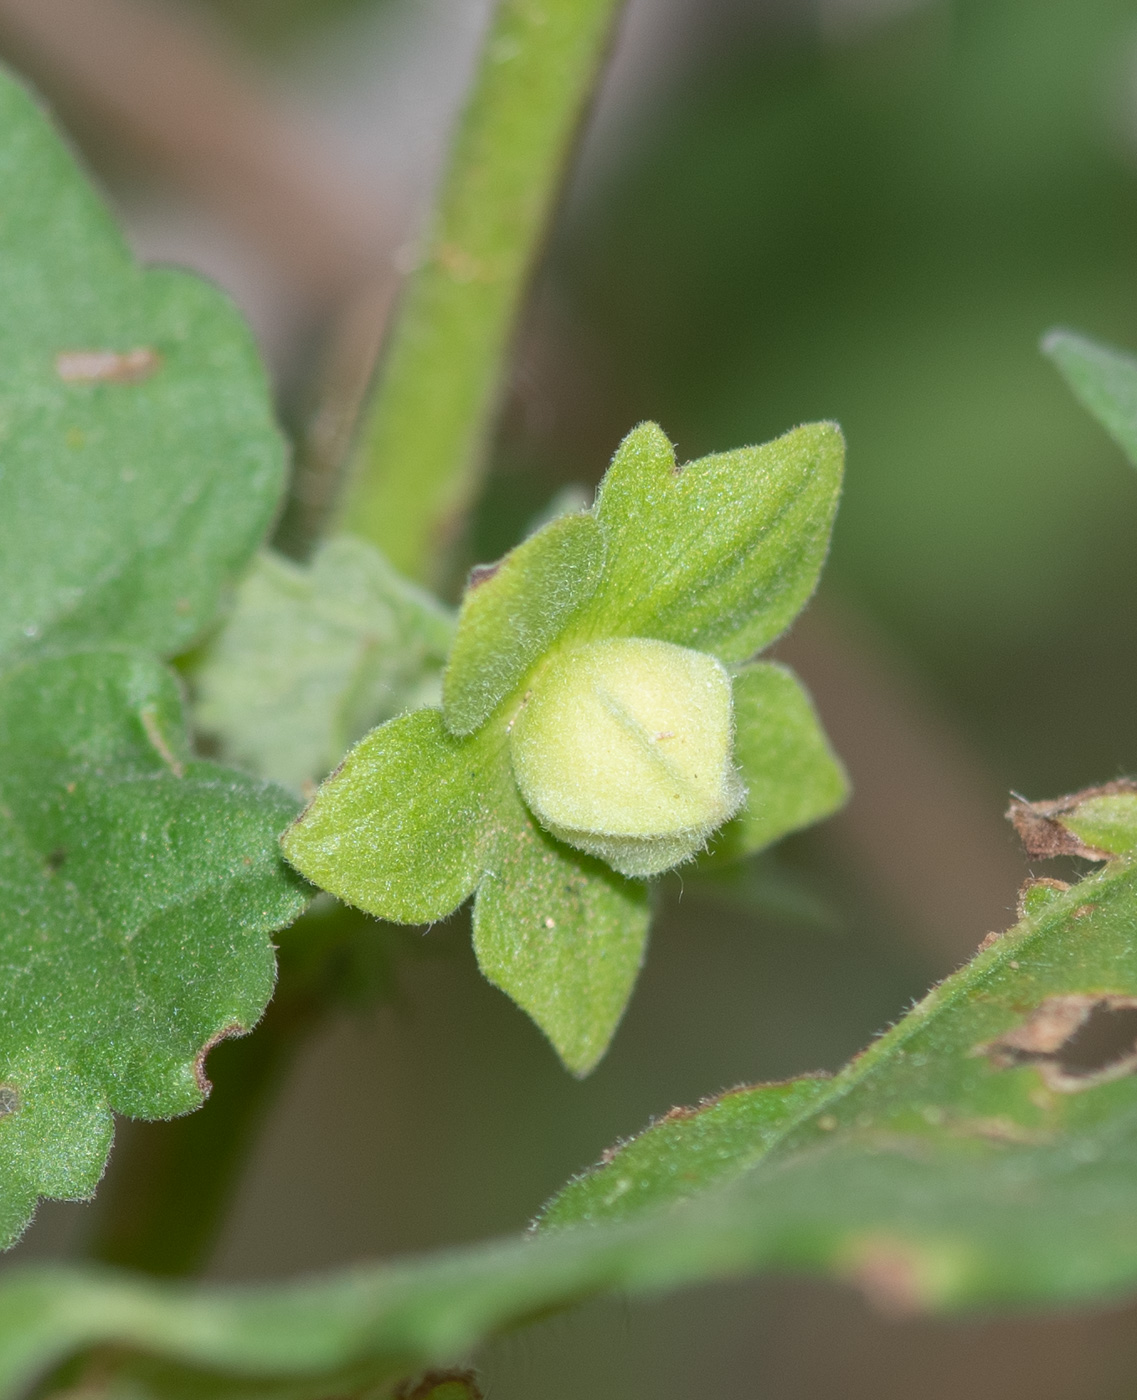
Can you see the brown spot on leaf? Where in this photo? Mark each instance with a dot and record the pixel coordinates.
(1040, 828)
(1058, 886)
(229, 1032)
(678, 1114)
(106, 366)
(887, 1272)
(989, 940)
(1083, 910)
(9, 1099)
(481, 573)
(1076, 1042)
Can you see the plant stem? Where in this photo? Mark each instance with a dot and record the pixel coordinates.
(424, 435)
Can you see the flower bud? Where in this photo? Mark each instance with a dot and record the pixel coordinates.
(623, 749)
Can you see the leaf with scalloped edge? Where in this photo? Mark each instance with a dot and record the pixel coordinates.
(138, 890)
(979, 1153)
(139, 462)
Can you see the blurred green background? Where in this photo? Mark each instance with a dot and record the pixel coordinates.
(868, 210)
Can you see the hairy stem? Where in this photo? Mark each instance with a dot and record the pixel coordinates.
(424, 434)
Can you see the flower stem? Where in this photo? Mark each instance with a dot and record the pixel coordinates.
(425, 431)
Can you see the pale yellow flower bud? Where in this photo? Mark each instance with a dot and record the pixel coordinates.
(623, 749)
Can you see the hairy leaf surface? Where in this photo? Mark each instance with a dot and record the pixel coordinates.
(560, 933)
(720, 554)
(311, 658)
(138, 889)
(792, 776)
(981, 1152)
(399, 827)
(139, 464)
(513, 611)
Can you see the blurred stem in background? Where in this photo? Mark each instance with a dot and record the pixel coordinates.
(425, 436)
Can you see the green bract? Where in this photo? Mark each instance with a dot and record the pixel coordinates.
(599, 721)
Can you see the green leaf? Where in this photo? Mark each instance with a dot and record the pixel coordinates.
(137, 892)
(982, 1152)
(513, 611)
(792, 776)
(1108, 823)
(1104, 381)
(399, 829)
(687, 1151)
(139, 464)
(312, 658)
(721, 554)
(560, 933)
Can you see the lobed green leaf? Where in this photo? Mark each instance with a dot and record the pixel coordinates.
(721, 554)
(138, 890)
(513, 611)
(559, 932)
(139, 463)
(311, 658)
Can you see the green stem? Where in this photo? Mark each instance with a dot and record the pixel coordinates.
(424, 435)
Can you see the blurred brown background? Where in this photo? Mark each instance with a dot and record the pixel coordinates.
(785, 209)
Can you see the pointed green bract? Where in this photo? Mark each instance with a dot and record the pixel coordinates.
(138, 890)
(513, 612)
(398, 829)
(721, 554)
(606, 632)
(311, 658)
(139, 464)
(559, 933)
(1104, 380)
(792, 776)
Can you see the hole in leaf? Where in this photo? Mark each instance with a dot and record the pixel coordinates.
(1076, 1042)
(1107, 1035)
(9, 1100)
